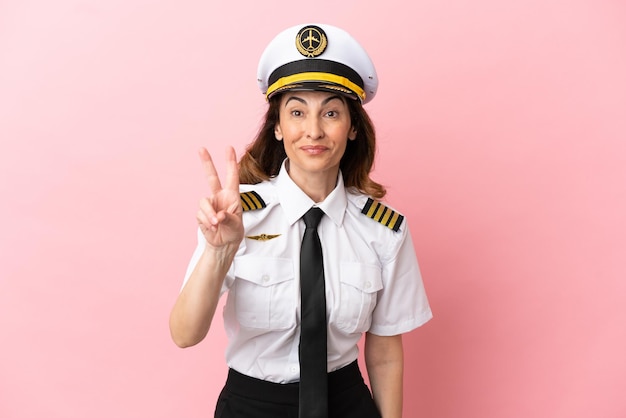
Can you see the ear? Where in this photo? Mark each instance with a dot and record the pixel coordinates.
(278, 133)
(352, 134)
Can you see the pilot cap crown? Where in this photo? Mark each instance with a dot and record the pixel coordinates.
(317, 57)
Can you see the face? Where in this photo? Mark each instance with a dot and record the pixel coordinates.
(315, 128)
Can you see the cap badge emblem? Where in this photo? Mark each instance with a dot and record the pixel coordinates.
(311, 41)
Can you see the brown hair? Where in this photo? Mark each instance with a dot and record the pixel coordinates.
(264, 156)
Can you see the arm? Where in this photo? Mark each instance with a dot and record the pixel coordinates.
(195, 306)
(385, 362)
(219, 219)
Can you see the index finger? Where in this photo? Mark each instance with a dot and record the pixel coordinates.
(209, 171)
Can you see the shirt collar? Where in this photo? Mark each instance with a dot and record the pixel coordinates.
(296, 203)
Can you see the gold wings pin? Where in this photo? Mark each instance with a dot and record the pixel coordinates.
(263, 237)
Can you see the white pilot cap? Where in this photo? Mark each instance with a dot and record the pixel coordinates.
(317, 57)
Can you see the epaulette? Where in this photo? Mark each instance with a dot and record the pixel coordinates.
(382, 214)
(251, 201)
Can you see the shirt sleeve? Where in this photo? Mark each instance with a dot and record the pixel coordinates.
(402, 304)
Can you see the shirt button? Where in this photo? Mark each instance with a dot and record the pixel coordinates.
(294, 369)
(265, 278)
(368, 285)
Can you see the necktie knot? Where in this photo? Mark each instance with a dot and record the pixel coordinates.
(312, 217)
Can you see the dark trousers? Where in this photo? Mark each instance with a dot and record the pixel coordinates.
(247, 397)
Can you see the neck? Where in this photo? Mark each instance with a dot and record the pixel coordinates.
(316, 185)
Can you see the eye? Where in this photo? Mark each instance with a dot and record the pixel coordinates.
(332, 113)
(296, 113)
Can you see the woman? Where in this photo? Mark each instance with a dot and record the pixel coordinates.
(256, 242)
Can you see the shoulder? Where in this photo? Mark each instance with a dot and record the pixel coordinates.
(381, 226)
(255, 197)
(373, 210)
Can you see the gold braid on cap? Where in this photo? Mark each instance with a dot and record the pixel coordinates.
(304, 77)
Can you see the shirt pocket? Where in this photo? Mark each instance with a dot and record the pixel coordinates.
(359, 284)
(264, 292)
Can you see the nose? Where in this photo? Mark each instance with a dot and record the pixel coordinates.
(314, 128)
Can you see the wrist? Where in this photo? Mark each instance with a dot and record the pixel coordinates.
(222, 255)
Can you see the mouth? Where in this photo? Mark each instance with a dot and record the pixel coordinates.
(314, 149)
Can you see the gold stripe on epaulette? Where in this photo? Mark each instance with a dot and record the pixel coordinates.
(382, 214)
(251, 201)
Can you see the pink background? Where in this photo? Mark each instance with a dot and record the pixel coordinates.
(502, 127)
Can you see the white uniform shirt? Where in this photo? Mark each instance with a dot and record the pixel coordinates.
(373, 282)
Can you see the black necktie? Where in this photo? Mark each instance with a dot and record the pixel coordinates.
(313, 351)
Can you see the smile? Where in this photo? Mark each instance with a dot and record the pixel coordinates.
(314, 149)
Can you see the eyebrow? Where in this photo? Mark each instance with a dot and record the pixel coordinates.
(301, 100)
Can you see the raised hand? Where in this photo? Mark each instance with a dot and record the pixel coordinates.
(219, 215)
